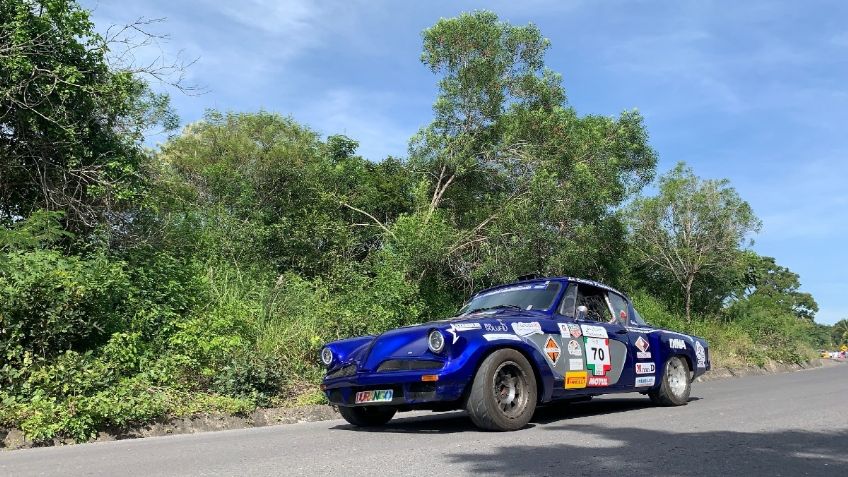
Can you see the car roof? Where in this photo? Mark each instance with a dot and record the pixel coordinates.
(584, 281)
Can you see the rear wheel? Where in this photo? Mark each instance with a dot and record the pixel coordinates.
(675, 385)
(503, 394)
(367, 416)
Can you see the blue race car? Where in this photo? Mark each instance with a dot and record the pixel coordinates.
(509, 349)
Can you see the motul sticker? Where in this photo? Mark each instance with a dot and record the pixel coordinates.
(552, 350)
(597, 381)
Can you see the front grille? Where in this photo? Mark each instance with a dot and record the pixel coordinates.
(408, 365)
(344, 371)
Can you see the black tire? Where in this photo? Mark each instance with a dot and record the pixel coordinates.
(503, 394)
(675, 385)
(367, 416)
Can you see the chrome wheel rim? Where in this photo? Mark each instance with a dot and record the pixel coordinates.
(678, 376)
(509, 386)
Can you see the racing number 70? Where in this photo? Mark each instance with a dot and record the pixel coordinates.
(598, 353)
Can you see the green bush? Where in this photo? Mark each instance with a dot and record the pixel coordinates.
(51, 302)
(250, 375)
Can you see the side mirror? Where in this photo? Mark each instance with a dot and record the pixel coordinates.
(581, 312)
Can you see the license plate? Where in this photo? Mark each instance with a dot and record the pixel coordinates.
(380, 395)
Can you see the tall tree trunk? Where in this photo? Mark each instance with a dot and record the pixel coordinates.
(687, 291)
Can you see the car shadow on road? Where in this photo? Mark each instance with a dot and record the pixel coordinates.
(597, 450)
(458, 421)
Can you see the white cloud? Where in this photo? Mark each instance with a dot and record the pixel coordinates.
(365, 116)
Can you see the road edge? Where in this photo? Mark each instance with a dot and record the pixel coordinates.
(13, 439)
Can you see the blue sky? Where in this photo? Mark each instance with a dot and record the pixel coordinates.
(750, 91)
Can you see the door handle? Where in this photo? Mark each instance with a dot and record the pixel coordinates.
(621, 332)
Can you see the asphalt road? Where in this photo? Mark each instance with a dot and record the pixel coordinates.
(784, 424)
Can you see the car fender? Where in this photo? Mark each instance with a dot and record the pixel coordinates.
(682, 345)
(541, 370)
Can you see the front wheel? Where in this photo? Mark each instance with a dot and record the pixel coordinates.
(367, 416)
(675, 385)
(503, 394)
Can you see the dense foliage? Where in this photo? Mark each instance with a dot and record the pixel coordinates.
(206, 275)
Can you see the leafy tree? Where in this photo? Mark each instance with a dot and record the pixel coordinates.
(766, 280)
(692, 229)
(521, 183)
(70, 125)
(839, 332)
(276, 193)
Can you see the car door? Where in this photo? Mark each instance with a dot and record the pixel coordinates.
(606, 346)
(640, 369)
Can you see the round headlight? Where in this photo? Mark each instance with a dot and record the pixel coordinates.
(326, 356)
(436, 341)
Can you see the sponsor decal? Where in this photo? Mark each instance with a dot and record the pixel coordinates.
(701, 355)
(456, 327)
(499, 327)
(575, 379)
(575, 364)
(574, 348)
(642, 345)
(500, 336)
(563, 329)
(574, 330)
(505, 290)
(645, 381)
(552, 350)
(645, 368)
(380, 395)
(465, 326)
(676, 343)
(597, 381)
(597, 355)
(527, 329)
(594, 331)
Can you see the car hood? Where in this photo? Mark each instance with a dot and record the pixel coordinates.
(367, 352)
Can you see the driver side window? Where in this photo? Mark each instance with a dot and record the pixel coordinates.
(595, 301)
(569, 300)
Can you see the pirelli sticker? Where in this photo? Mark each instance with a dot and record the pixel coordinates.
(575, 379)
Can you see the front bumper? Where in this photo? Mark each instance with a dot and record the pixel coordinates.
(408, 388)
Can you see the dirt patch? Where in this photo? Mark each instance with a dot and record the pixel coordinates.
(14, 439)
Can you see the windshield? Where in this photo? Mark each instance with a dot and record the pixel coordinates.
(638, 318)
(532, 296)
